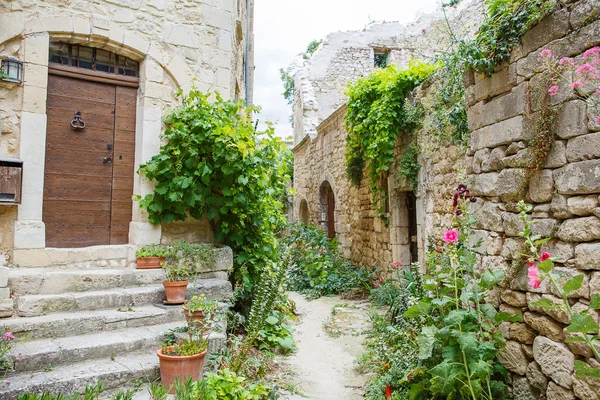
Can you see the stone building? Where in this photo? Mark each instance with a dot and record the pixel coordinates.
(97, 78)
(502, 114)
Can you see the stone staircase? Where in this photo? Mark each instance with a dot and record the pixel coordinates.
(87, 314)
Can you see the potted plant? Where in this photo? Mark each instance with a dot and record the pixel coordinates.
(151, 257)
(199, 311)
(183, 359)
(177, 273)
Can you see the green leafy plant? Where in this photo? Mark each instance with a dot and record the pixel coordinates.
(276, 334)
(90, 393)
(459, 340)
(7, 343)
(583, 327)
(226, 384)
(200, 303)
(375, 118)
(319, 269)
(214, 164)
(153, 250)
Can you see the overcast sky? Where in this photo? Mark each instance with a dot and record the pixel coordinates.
(283, 28)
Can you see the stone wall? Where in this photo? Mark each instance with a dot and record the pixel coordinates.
(179, 44)
(502, 114)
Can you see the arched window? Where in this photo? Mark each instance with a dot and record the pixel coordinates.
(304, 212)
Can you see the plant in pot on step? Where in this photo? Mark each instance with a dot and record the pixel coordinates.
(199, 311)
(177, 274)
(182, 359)
(150, 257)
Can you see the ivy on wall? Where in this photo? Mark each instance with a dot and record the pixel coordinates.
(377, 111)
(376, 116)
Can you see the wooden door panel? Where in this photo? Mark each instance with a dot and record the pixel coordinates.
(78, 184)
(123, 164)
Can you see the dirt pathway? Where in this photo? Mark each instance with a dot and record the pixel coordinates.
(323, 366)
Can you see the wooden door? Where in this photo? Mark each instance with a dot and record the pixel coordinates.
(88, 179)
(411, 205)
(330, 213)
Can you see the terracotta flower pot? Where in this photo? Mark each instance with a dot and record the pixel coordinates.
(194, 316)
(175, 291)
(179, 368)
(149, 262)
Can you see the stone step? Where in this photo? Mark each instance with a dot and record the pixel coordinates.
(37, 305)
(36, 355)
(82, 322)
(30, 281)
(111, 256)
(123, 371)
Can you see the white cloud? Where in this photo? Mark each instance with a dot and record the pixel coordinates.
(283, 28)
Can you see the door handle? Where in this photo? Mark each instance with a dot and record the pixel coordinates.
(107, 160)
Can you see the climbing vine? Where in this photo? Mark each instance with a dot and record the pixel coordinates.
(376, 116)
(215, 165)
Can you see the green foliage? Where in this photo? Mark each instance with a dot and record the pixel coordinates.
(228, 385)
(185, 347)
(317, 267)
(409, 164)
(215, 165)
(276, 334)
(376, 116)
(90, 393)
(183, 260)
(200, 303)
(153, 250)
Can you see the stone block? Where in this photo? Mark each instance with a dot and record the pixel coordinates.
(587, 256)
(514, 298)
(30, 234)
(500, 82)
(4, 276)
(584, 147)
(584, 11)
(555, 392)
(500, 133)
(484, 184)
(35, 75)
(545, 325)
(37, 49)
(512, 249)
(559, 314)
(593, 124)
(555, 360)
(559, 207)
(557, 156)
(584, 229)
(572, 119)
(545, 227)
(582, 177)
(511, 183)
(489, 216)
(217, 17)
(548, 29)
(523, 390)
(541, 186)
(512, 224)
(6, 308)
(522, 333)
(561, 250)
(34, 99)
(513, 358)
(536, 377)
(582, 205)
(498, 109)
(4, 293)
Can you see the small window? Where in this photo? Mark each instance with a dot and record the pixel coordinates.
(381, 58)
(92, 58)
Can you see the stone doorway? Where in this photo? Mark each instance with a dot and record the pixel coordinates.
(327, 203)
(404, 227)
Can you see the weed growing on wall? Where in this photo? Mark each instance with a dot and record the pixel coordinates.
(215, 165)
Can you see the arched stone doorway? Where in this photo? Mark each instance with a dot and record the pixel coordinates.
(304, 212)
(327, 203)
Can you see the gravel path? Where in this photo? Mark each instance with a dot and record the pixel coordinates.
(323, 367)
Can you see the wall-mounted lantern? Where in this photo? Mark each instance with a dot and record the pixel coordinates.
(12, 70)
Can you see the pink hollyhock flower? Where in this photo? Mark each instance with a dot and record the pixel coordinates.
(598, 120)
(567, 61)
(545, 255)
(396, 265)
(593, 52)
(533, 275)
(553, 90)
(576, 85)
(451, 236)
(8, 336)
(546, 53)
